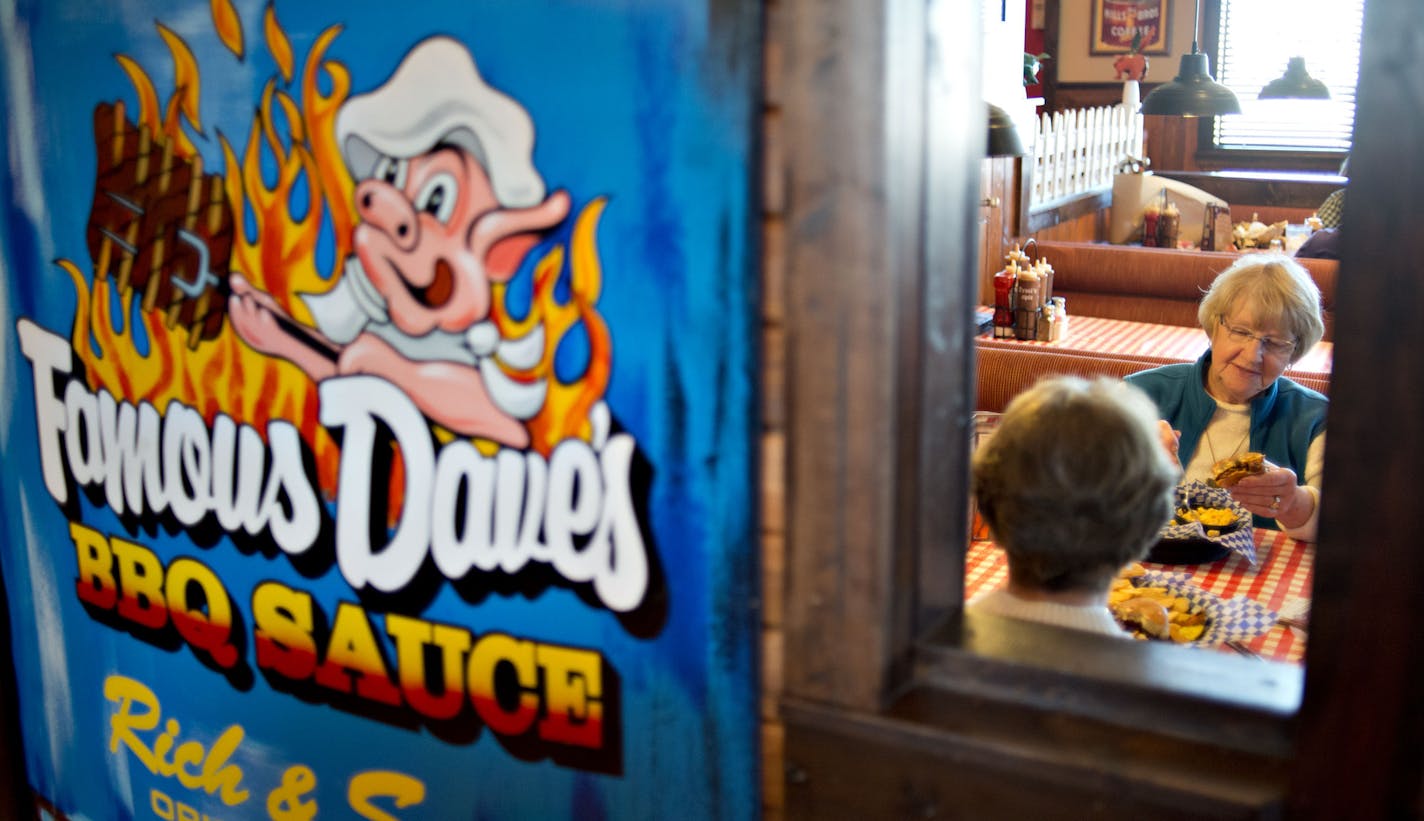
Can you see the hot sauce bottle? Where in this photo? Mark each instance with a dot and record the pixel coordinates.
(1150, 217)
(1004, 301)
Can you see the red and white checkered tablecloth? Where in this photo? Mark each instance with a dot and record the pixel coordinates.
(1281, 582)
(1150, 342)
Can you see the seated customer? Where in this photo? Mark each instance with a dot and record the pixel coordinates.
(1262, 314)
(1074, 485)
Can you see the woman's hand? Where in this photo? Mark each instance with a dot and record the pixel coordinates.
(1275, 494)
(1171, 440)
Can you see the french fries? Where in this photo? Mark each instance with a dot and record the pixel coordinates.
(1185, 622)
(1208, 516)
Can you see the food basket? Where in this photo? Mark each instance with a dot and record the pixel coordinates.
(1182, 541)
(1234, 619)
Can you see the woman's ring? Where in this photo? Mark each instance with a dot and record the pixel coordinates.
(1275, 502)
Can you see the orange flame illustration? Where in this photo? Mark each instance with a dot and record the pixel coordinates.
(228, 26)
(277, 42)
(277, 252)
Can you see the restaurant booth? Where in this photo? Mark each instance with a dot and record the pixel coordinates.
(696, 514)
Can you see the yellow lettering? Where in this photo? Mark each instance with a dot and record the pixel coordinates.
(404, 791)
(215, 775)
(218, 774)
(124, 721)
(188, 753)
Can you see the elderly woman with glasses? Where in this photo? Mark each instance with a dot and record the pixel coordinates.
(1262, 314)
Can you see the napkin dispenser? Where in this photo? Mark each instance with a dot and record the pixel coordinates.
(1134, 191)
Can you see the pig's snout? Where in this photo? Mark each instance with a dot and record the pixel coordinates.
(385, 208)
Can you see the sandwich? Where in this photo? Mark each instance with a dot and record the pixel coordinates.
(1228, 472)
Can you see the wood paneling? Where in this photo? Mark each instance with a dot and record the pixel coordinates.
(970, 733)
(864, 192)
(1362, 725)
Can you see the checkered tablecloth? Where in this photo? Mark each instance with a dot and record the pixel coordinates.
(1150, 342)
(1281, 583)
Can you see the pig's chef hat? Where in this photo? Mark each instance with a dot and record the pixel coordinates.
(436, 96)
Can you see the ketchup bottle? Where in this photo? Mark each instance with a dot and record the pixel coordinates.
(1004, 301)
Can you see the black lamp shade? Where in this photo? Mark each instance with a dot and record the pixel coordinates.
(1003, 135)
(1192, 93)
(1295, 84)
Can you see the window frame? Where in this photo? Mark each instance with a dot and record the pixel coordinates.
(882, 718)
(1209, 155)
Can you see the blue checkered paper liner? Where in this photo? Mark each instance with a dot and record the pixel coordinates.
(1194, 494)
(1235, 619)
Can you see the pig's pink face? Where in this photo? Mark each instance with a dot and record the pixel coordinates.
(423, 243)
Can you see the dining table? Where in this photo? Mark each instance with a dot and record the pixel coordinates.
(1280, 580)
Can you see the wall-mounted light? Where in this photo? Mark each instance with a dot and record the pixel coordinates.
(1004, 138)
(1193, 92)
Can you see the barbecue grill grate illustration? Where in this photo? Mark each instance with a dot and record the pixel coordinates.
(159, 226)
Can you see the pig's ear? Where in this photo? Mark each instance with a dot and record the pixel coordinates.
(503, 258)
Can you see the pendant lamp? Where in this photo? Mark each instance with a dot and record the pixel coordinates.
(1193, 92)
(1296, 84)
(1003, 135)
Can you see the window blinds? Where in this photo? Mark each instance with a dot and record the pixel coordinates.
(1257, 38)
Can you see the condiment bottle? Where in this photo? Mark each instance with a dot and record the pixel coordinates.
(1169, 226)
(1045, 273)
(1004, 301)
(1026, 305)
(1150, 216)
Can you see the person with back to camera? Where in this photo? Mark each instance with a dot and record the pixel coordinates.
(1074, 485)
(1261, 314)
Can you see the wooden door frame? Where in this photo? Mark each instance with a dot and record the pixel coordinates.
(884, 717)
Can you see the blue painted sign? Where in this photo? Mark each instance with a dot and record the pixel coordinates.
(379, 408)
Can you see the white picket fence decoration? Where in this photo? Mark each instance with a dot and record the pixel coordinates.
(1078, 151)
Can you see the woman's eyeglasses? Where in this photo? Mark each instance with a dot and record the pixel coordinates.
(1244, 336)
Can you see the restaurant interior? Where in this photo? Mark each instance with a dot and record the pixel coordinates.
(887, 355)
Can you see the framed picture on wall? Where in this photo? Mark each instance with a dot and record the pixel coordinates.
(1114, 24)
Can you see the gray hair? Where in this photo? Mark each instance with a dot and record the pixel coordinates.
(1271, 287)
(1074, 483)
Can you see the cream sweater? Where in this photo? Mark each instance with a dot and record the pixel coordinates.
(1093, 618)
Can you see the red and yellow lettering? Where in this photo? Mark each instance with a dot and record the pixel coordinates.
(96, 576)
(489, 652)
(208, 631)
(282, 630)
(141, 599)
(573, 696)
(411, 637)
(352, 649)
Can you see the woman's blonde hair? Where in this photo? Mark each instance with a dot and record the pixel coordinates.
(1074, 483)
(1269, 287)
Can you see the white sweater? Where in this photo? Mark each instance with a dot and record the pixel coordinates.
(1094, 618)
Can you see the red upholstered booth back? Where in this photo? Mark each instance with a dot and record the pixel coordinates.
(1152, 284)
(1004, 374)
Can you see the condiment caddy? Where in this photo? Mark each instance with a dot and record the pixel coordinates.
(1024, 305)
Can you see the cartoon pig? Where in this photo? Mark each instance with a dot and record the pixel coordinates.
(449, 202)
